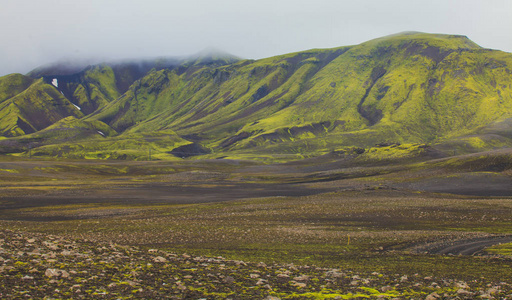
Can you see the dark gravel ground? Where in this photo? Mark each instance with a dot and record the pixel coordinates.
(36, 266)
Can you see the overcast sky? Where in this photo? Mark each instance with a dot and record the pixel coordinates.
(36, 32)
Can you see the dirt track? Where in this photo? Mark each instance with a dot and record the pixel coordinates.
(465, 247)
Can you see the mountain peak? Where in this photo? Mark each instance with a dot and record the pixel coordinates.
(450, 41)
(63, 67)
(211, 55)
(431, 45)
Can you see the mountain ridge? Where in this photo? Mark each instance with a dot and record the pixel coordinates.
(406, 88)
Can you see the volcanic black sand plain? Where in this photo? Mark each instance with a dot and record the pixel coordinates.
(321, 228)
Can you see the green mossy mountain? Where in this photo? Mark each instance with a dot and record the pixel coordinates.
(67, 130)
(31, 106)
(411, 88)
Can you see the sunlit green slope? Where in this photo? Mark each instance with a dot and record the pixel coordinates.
(67, 130)
(410, 87)
(134, 146)
(406, 88)
(75, 138)
(27, 105)
(25, 100)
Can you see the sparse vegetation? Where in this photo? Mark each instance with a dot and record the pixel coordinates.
(109, 214)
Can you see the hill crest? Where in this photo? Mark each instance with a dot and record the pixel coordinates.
(409, 87)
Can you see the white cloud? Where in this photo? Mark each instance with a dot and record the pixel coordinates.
(37, 32)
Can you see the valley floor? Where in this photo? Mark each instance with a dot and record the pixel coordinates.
(240, 230)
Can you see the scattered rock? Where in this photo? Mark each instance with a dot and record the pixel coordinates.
(386, 288)
(52, 273)
(160, 259)
(334, 273)
(130, 282)
(94, 269)
(180, 286)
(301, 278)
(433, 296)
(464, 292)
(53, 247)
(229, 279)
(298, 284)
(64, 274)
